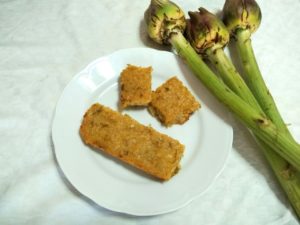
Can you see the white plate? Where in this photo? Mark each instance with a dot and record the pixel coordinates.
(115, 186)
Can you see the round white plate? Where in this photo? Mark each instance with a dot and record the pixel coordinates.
(118, 187)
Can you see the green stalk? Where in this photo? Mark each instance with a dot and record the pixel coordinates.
(287, 176)
(165, 24)
(253, 119)
(242, 18)
(231, 77)
(255, 80)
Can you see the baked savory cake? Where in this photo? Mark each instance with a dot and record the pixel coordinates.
(172, 103)
(126, 139)
(135, 86)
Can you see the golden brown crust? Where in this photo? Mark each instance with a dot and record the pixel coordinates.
(172, 103)
(126, 139)
(135, 85)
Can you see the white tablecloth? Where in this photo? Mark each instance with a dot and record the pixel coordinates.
(44, 43)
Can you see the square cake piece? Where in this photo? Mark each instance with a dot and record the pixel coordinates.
(172, 103)
(135, 86)
(131, 142)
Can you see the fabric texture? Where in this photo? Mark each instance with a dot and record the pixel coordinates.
(44, 44)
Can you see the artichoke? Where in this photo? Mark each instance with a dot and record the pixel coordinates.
(163, 18)
(165, 25)
(242, 18)
(241, 14)
(205, 31)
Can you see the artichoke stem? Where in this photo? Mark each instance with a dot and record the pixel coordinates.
(231, 77)
(241, 29)
(251, 117)
(255, 80)
(287, 176)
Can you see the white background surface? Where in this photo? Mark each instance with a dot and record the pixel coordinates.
(44, 44)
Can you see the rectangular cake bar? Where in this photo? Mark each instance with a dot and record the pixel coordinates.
(126, 139)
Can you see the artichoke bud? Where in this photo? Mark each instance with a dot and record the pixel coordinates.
(206, 31)
(164, 18)
(241, 14)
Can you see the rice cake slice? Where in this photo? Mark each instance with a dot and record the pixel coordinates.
(126, 139)
(135, 86)
(172, 103)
